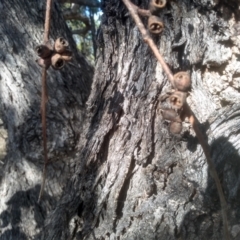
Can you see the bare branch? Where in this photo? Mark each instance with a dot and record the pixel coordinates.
(133, 9)
(47, 21)
(82, 31)
(72, 14)
(89, 3)
(93, 33)
(44, 97)
(195, 124)
(140, 11)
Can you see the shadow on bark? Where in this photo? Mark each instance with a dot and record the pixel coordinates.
(21, 28)
(17, 210)
(207, 222)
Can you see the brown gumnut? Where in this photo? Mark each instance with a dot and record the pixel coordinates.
(155, 5)
(171, 115)
(43, 51)
(175, 127)
(60, 45)
(182, 81)
(44, 62)
(67, 55)
(178, 99)
(155, 25)
(57, 62)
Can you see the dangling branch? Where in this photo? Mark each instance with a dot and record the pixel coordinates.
(55, 56)
(47, 21)
(135, 12)
(44, 97)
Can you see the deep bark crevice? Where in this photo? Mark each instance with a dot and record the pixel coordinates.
(124, 190)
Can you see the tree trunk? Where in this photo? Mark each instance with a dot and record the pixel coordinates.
(21, 30)
(133, 179)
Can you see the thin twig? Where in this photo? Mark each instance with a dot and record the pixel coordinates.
(43, 182)
(143, 12)
(44, 98)
(47, 21)
(134, 10)
(195, 124)
(140, 11)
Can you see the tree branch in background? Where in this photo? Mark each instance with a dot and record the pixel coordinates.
(70, 14)
(134, 11)
(75, 7)
(93, 31)
(88, 3)
(80, 17)
(82, 32)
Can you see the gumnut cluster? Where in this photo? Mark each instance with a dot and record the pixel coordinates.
(55, 56)
(182, 83)
(155, 24)
(182, 80)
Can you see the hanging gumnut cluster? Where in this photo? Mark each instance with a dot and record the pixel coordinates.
(156, 5)
(182, 83)
(55, 56)
(181, 80)
(155, 24)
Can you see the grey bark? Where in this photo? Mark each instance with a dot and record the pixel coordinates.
(136, 180)
(133, 179)
(21, 30)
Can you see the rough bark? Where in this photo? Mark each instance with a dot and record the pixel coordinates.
(132, 178)
(21, 30)
(136, 180)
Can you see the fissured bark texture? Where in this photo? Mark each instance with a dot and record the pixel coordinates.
(21, 158)
(133, 179)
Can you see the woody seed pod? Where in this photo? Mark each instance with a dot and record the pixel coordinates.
(155, 24)
(57, 62)
(182, 81)
(67, 55)
(43, 51)
(175, 127)
(44, 62)
(178, 99)
(171, 115)
(155, 5)
(61, 45)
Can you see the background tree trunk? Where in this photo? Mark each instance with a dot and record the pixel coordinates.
(133, 179)
(21, 30)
